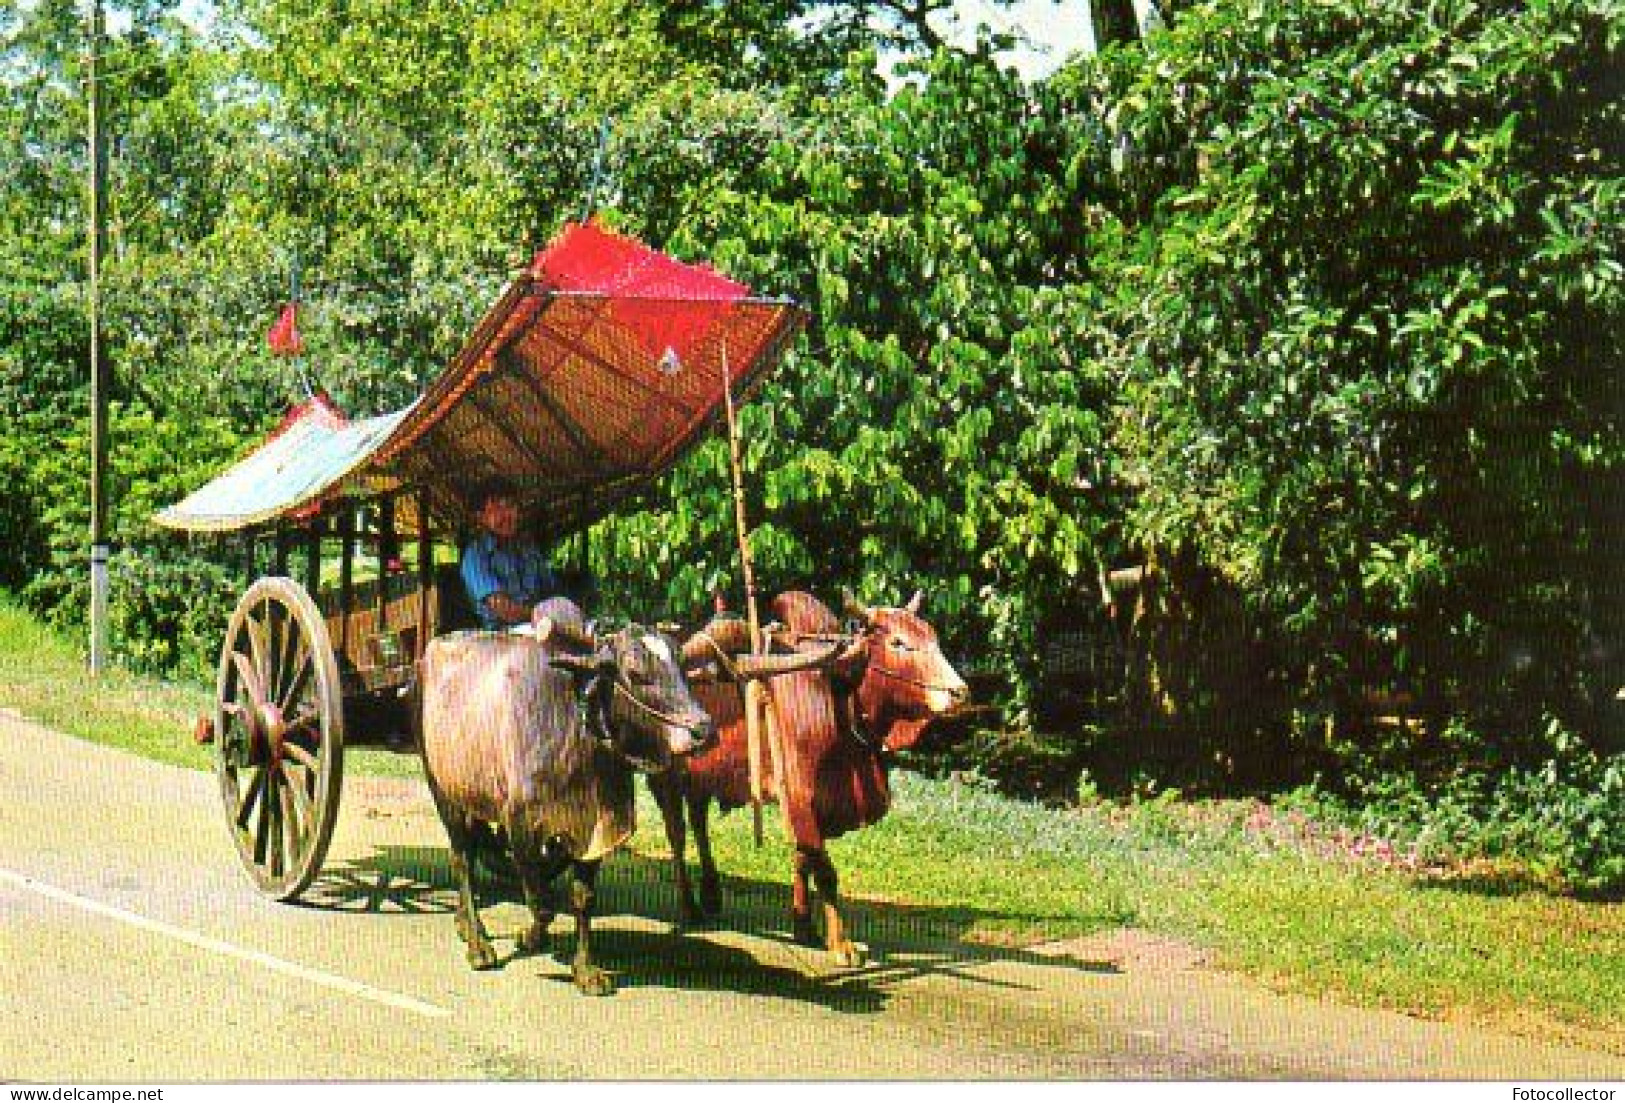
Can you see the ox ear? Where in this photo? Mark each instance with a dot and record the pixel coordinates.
(580, 665)
(913, 606)
(855, 608)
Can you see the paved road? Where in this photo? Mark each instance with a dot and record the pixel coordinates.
(132, 949)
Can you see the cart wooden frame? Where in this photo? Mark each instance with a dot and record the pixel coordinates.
(595, 371)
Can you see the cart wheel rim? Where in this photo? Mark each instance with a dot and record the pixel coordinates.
(279, 748)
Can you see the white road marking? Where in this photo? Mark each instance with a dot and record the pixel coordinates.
(226, 949)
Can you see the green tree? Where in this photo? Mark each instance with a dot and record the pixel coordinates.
(1361, 282)
(934, 423)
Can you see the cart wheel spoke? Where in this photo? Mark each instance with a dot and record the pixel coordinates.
(259, 650)
(262, 830)
(302, 812)
(299, 681)
(251, 799)
(273, 811)
(249, 679)
(301, 756)
(290, 653)
(278, 630)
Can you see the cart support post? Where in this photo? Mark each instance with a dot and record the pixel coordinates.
(250, 564)
(388, 548)
(758, 724)
(425, 575)
(346, 577)
(313, 557)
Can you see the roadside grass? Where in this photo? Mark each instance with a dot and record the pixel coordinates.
(46, 678)
(964, 864)
(1001, 872)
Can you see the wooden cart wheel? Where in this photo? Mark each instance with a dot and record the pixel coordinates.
(279, 751)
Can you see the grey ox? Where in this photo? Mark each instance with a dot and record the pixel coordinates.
(539, 737)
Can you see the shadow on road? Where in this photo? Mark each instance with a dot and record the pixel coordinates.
(906, 941)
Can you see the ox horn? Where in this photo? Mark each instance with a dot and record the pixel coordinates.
(768, 666)
(854, 607)
(913, 606)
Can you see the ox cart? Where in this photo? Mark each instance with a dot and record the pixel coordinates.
(596, 370)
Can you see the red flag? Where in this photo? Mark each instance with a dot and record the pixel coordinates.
(284, 336)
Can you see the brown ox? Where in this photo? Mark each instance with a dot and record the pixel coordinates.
(521, 735)
(527, 736)
(835, 727)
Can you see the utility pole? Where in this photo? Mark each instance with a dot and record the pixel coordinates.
(99, 368)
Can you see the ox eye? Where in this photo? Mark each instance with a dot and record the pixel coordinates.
(897, 644)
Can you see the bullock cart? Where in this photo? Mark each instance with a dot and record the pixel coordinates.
(597, 369)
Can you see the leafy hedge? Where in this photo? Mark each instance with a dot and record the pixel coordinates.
(1562, 819)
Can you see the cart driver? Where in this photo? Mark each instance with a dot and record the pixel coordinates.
(503, 570)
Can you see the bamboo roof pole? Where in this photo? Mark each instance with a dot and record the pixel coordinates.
(736, 470)
(758, 714)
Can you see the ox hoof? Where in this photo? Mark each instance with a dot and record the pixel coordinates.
(848, 955)
(481, 958)
(711, 898)
(593, 981)
(534, 940)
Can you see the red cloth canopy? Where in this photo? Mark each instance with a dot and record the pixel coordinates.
(658, 299)
(593, 373)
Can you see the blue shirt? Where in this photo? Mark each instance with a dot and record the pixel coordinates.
(516, 568)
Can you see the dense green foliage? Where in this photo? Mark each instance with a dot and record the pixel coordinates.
(1362, 288)
(1312, 310)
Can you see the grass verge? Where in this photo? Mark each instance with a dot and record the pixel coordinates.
(957, 862)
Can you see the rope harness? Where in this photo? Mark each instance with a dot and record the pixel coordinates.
(647, 709)
(597, 699)
(909, 679)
